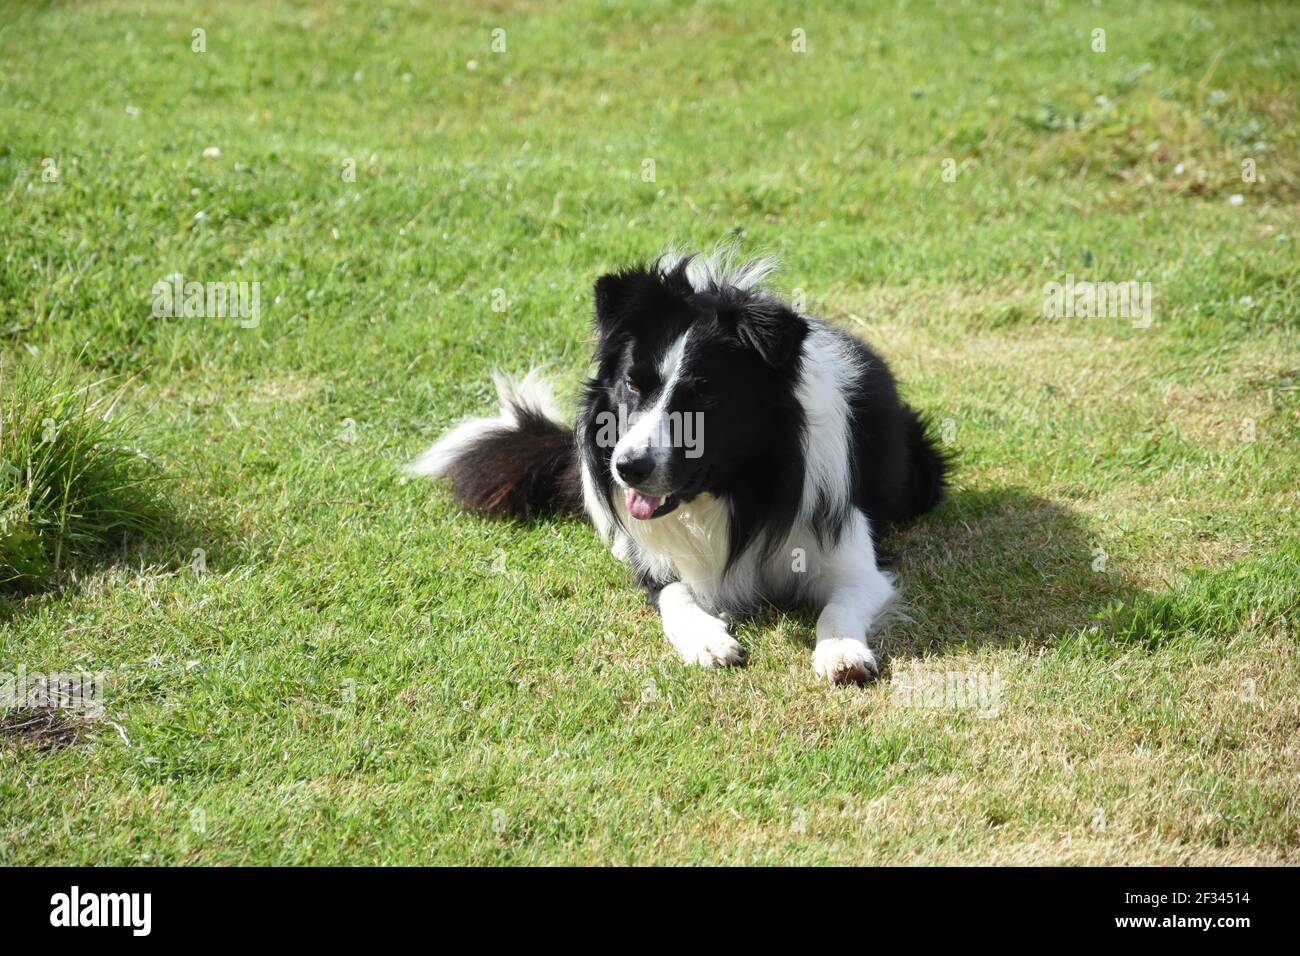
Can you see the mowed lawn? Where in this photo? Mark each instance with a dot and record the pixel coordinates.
(312, 659)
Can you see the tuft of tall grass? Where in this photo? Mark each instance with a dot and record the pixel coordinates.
(72, 484)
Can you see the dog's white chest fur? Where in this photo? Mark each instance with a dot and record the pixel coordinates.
(692, 544)
(689, 545)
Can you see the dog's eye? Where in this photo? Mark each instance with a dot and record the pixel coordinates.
(700, 393)
(632, 386)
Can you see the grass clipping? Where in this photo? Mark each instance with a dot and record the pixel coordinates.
(72, 486)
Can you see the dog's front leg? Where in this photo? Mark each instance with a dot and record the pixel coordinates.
(842, 655)
(859, 593)
(698, 636)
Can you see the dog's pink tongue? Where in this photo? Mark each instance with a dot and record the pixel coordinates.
(641, 506)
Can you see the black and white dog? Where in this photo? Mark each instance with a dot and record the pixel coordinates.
(735, 452)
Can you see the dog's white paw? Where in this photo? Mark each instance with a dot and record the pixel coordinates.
(698, 636)
(708, 644)
(842, 660)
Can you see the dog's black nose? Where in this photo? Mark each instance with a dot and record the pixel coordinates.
(635, 469)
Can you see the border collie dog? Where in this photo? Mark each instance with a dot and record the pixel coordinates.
(736, 453)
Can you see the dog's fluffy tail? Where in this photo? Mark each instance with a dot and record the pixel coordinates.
(929, 466)
(521, 464)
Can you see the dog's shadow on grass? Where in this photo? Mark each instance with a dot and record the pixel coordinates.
(1003, 567)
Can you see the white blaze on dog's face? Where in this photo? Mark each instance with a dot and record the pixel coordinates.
(643, 458)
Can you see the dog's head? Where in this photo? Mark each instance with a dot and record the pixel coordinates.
(695, 370)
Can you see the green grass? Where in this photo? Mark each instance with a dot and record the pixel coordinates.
(347, 675)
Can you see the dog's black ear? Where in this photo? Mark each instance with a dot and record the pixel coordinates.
(771, 328)
(638, 294)
(615, 294)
